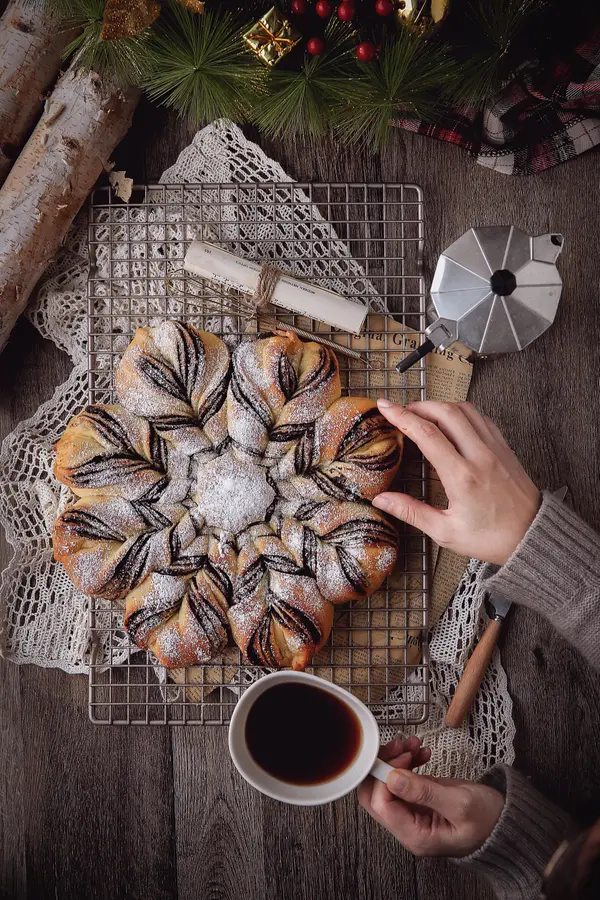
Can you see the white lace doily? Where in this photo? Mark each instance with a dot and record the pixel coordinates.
(44, 617)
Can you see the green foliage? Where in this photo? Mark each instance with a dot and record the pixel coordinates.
(497, 26)
(406, 79)
(200, 67)
(127, 60)
(300, 102)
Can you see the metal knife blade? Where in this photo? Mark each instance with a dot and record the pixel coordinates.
(499, 605)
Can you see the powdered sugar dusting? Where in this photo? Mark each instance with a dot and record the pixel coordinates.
(232, 494)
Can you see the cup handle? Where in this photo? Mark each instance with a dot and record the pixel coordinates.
(381, 770)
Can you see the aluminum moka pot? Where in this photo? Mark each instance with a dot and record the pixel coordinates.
(495, 289)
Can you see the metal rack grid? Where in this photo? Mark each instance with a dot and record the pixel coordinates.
(357, 239)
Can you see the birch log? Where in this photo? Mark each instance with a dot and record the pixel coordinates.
(31, 43)
(83, 121)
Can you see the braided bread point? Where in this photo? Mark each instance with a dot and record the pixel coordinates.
(349, 548)
(279, 618)
(105, 546)
(317, 388)
(176, 377)
(356, 455)
(263, 379)
(183, 621)
(107, 450)
(110, 546)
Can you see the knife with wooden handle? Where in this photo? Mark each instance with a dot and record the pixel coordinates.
(476, 667)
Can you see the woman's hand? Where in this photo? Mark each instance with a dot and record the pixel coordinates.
(404, 754)
(491, 499)
(430, 816)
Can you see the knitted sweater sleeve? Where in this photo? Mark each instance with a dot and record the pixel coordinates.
(526, 835)
(556, 571)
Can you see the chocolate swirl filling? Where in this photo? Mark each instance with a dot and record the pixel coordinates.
(131, 568)
(85, 524)
(288, 380)
(308, 510)
(183, 565)
(109, 427)
(334, 486)
(293, 619)
(190, 352)
(359, 532)
(208, 613)
(158, 374)
(106, 470)
(214, 401)
(324, 370)
(370, 427)
(260, 650)
(248, 582)
(247, 395)
(143, 621)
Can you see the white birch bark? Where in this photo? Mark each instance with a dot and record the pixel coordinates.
(31, 43)
(83, 121)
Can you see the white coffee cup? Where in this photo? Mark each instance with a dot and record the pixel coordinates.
(364, 763)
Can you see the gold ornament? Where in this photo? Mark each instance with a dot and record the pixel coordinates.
(272, 37)
(126, 18)
(423, 16)
(196, 6)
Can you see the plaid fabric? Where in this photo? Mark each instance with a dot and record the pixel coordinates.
(541, 118)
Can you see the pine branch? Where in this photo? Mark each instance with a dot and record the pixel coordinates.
(300, 102)
(127, 60)
(409, 76)
(500, 20)
(498, 27)
(200, 67)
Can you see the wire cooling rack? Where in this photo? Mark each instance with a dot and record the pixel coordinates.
(362, 240)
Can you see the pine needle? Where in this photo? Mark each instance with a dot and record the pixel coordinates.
(498, 26)
(127, 59)
(407, 77)
(300, 102)
(200, 67)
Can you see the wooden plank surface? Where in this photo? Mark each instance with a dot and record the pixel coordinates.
(156, 813)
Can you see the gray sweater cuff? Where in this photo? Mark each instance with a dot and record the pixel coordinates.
(555, 571)
(526, 835)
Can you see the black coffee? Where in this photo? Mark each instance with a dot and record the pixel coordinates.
(302, 734)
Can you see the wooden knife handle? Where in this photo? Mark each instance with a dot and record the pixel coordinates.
(472, 675)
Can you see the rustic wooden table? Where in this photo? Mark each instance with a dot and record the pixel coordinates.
(90, 812)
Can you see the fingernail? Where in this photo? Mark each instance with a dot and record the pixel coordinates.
(384, 403)
(397, 782)
(382, 501)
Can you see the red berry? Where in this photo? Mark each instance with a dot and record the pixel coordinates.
(298, 7)
(384, 7)
(315, 46)
(366, 51)
(323, 8)
(346, 11)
